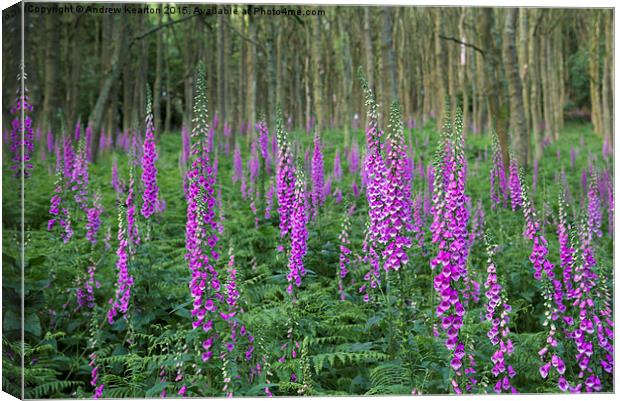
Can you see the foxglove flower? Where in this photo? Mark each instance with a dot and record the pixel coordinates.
(285, 179)
(449, 228)
(133, 236)
(201, 233)
(566, 251)
(116, 183)
(515, 185)
(418, 225)
(150, 197)
(21, 139)
(50, 142)
(499, 187)
(263, 138)
(253, 165)
(318, 182)
(497, 313)
(79, 177)
(354, 158)
(396, 225)
(120, 302)
(299, 233)
(337, 170)
(94, 376)
(85, 293)
(186, 144)
(237, 164)
(375, 170)
(93, 219)
(345, 243)
(58, 212)
(594, 207)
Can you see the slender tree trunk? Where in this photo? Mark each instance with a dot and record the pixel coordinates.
(72, 92)
(389, 59)
(517, 114)
(524, 69)
(168, 118)
(534, 83)
(347, 80)
(158, 78)
(221, 68)
(317, 87)
(251, 71)
(440, 62)
(608, 79)
(51, 64)
(463, 62)
(111, 78)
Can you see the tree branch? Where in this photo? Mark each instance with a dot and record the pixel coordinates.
(255, 43)
(157, 28)
(476, 48)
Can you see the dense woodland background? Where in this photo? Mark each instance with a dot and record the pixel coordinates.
(541, 78)
(531, 68)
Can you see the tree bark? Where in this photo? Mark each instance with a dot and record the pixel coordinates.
(117, 59)
(317, 87)
(517, 114)
(389, 66)
(158, 77)
(51, 65)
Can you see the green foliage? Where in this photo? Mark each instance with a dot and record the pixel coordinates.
(385, 346)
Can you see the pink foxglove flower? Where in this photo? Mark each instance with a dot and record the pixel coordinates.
(318, 179)
(22, 137)
(120, 302)
(150, 197)
(299, 233)
(285, 179)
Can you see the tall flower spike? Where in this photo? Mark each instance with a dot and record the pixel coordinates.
(285, 182)
(516, 199)
(318, 179)
(200, 122)
(595, 217)
(299, 233)
(397, 197)
(375, 172)
(79, 177)
(201, 233)
(566, 251)
(497, 313)
(22, 137)
(450, 233)
(150, 197)
(120, 302)
(93, 219)
(345, 243)
(337, 170)
(58, 212)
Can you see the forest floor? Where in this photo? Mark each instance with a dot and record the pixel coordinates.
(385, 346)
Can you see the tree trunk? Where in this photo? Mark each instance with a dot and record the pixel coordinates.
(608, 79)
(158, 78)
(51, 64)
(524, 69)
(111, 78)
(251, 71)
(534, 83)
(221, 68)
(517, 114)
(317, 87)
(389, 66)
(494, 93)
(440, 62)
